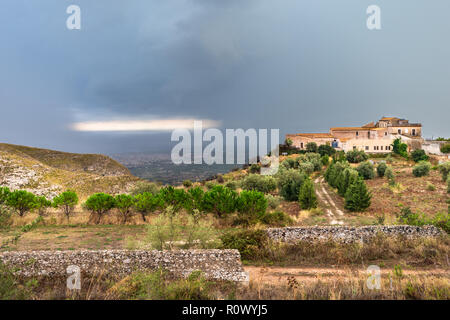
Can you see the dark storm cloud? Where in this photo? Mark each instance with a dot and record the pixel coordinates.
(293, 65)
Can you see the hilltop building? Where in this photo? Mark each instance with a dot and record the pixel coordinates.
(371, 137)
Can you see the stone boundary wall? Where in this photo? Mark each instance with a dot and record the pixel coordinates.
(215, 264)
(349, 234)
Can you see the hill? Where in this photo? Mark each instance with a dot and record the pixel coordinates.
(48, 172)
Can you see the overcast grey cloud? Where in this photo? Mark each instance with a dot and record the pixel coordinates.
(293, 65)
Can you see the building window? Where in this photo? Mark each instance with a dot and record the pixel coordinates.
(400, 131)
(367, 147)
(301, 145)
(368, 134)
(385, 133)
(381, 147)
(357, 133)
(413, 132)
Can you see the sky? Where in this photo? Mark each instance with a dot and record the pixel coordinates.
(298, 66)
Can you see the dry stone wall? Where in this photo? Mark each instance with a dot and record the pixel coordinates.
(215, 264)
(349, 234)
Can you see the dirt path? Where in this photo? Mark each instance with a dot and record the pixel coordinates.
(334, 213)
(278, 275)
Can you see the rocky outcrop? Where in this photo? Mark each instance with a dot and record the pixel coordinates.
(349, 234)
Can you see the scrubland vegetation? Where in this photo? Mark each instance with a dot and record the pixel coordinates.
(232, 211)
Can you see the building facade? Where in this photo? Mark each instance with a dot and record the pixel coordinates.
(371, 138)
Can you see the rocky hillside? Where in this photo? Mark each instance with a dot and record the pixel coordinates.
(48, 172)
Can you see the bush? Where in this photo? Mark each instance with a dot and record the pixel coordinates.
(144, 186)
(444, 169)
(160, 285)
(445, 148)
(21, 201)
(5, 217)
(381, 169)
(99, 204)
(326, 150)
(146, 203)
(306, 167)
(276, 219)
(11, 288)
(448, 185)
(419, 155)
(357, 197)
(187, 183)
(272, 201)
(259, 183)
(311, 147)
(389, 173)
(400, 148)
(333, 173)
(289, 163)
(194, 201)
(251, 206)
(255, 168)
(345, 179)
(325, 160)
(422, 169)
(174, 197)
(4, 193)
(307, 195)
(356, 156)
(124, 204)
(41, 204)
(232, 185)
(406, 216)
(289, 183)
(311, 157)
(67, 202)
(366, 170)
(248, 242)
(220, 200)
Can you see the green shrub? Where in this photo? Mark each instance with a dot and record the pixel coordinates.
(124, 204)
(289, 183)
(345, 179)
(248, 242)
(161, 285)
(357, 197)
(406, 216)
(311, 147)
(272, 201)
(220, 200)
(187, 183)
(389, 173)
(326, 150)
(310, 157)
(5, 217)
(444, 169)
(259, 183)
(21, 201)
(419, 155)
(210, 184)
(4, 193)
(356, 156)
(99, 204)
(442, 220)
(289, 163)
(381, 169)
(400, 148)
(11, 288)
(194, 201)
(422, 169)
(232, 185)
(255, 168)
(445, 148)
(307, 195)
(251, 206)
(146, 203)
(431, 187)
(276, 219)
(144, 186)
(41, 204)
(448, 185)
(174, 197)
(333, 173)
(306, 167)
(67, 202)
(366, 170)
(325, 160)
